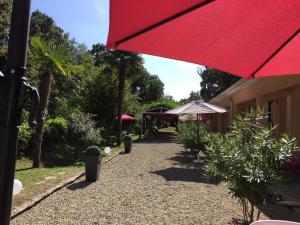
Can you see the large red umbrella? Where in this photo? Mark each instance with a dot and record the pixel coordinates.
(247, 38)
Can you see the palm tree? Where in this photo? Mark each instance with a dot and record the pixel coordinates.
(50, 59)
(128, 65)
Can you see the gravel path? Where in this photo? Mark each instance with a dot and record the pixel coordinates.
(155, 184)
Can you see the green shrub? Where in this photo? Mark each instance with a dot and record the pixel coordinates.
(93, 151)
(24, 136)
(167, 103)
(55, 141)
(249, 159)
(189, 136)
(56, 130)
(84, 130)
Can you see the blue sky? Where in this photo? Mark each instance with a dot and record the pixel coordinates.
(87, 22)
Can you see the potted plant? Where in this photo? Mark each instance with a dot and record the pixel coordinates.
(127, 143)
(92, 163)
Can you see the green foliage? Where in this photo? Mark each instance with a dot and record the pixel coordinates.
(167, 103)
(93, 151)
(189, 136)
(152, 89)
(214, 82)
(132, 105)
(81, 81)
(84, 130)
(148, 87)
(55, 142)
(126, 64)
(25, 133)
(131, 62)
(100, 97)
(49, 55)
(194, 95)
(56, 130)
(44, 27)
(249, 159)
(60, 106)
(5, 12)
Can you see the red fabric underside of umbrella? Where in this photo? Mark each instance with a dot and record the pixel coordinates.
(246, 38)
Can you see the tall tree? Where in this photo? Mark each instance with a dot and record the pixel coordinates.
(5, 12)
(64, 90)
(127, 64)
(214, 82)
(44, 27)
(153, 89)
(100, 97)
(50, 60)
(194, 95)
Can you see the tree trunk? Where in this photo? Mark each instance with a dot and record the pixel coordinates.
(121, 89)
(44, 91)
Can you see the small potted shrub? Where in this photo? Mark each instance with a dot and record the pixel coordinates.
(92, 163)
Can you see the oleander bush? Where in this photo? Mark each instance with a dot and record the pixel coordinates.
(83, 129)
(189, 136)
(249, 159)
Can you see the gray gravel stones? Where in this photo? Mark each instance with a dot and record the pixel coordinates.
(154, 184)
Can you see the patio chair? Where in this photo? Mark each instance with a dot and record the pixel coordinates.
(274, 222)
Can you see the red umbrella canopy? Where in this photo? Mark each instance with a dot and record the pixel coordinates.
(247, 38)
(126, 117)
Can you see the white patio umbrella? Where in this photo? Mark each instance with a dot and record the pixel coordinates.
(192, 117)
(197, 107)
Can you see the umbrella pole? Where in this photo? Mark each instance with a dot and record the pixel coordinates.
(13, 90)
(141, 131)
(198, 136)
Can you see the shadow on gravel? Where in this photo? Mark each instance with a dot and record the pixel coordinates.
(79, 185)
(160, 138)
(185, 160)
(183, 174)
(157, 141)
(279, 212)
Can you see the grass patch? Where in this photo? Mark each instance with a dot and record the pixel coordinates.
(38, 180)
(168, 129)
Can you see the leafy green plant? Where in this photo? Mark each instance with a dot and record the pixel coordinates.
(249, 158)
(93, 151)
(55, 142)
(167, 103)
(25, 133)
(56, 130)
(190, 136)
(84, 129)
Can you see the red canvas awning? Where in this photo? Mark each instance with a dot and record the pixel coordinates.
(246, 38)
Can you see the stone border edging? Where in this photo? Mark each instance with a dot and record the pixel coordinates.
(36, 200)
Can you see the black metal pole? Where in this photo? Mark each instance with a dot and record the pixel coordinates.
(198, 141)
(11, 101)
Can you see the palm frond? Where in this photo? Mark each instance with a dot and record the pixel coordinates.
(49, 55)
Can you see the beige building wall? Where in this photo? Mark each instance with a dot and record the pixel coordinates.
(280, 94)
